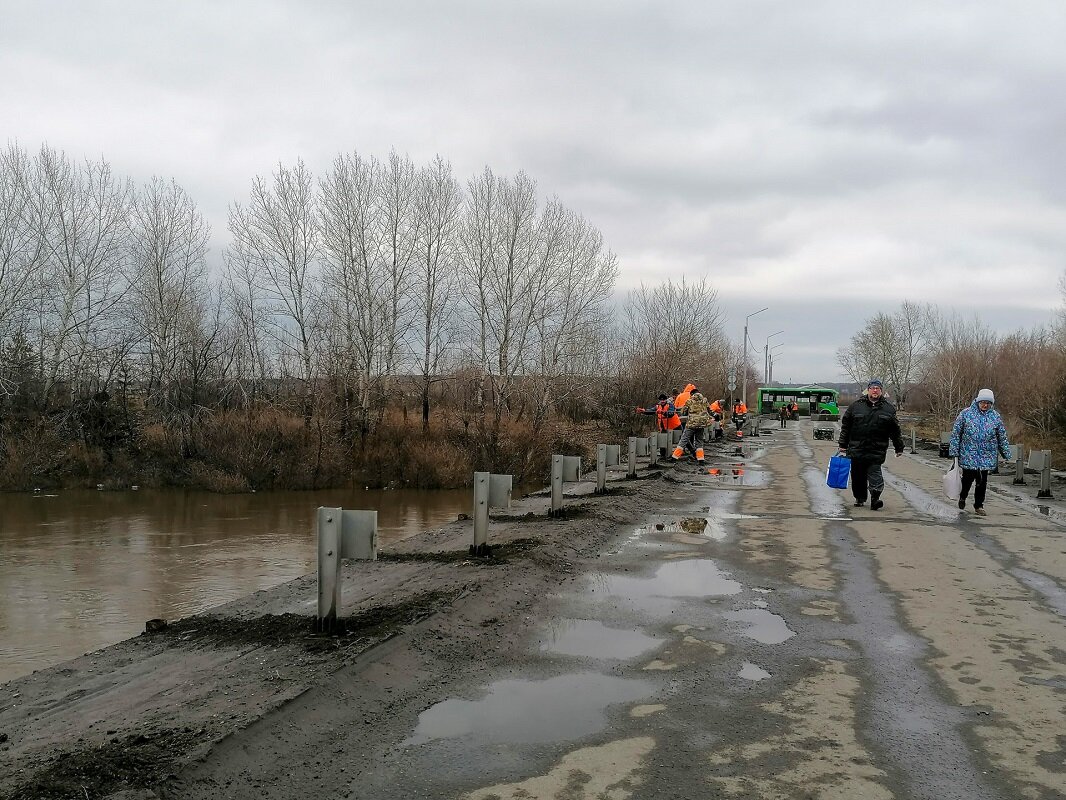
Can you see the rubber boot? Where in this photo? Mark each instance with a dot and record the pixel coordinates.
(875, 501)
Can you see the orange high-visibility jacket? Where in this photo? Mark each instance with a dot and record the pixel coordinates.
(716, 407)
(740, 408)
(682, 399)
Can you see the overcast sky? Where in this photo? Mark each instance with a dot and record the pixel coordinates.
(827, 160)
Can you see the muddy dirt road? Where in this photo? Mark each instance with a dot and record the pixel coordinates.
(738, 632)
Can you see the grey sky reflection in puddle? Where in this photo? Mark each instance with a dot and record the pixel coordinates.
(586, 637)
(522, 711)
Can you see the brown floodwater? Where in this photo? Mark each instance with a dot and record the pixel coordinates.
(80, 570)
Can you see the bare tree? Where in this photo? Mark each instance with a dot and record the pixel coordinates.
(674, 333)
(275, 240)
(505, 287)
(582, 274)
(396, 206)
(168, 270)
(891, 346)
(22, 249)
(82, 214)
(350, 245)
(437, 209)
(957, 364)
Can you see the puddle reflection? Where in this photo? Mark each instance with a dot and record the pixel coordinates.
(585, 637)
(521, 711)
(762, 625)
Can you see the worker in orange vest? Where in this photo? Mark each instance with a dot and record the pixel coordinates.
(740, 412)
(718, 414)
(666, 416)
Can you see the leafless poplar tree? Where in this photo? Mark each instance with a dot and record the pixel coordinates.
(22, 249)
(82, 214)
(581, 274)
(437, 208)
(168, 270)
(275, 240)
(396, 205)
(350, 246)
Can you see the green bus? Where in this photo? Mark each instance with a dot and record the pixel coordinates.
(810, 399)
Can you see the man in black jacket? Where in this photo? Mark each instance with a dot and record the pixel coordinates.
(865, 430)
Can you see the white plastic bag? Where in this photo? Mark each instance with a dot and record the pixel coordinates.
(953, 481)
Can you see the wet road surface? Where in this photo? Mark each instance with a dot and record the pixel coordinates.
(772, 641)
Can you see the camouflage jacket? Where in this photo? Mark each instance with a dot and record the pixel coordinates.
(699, 415)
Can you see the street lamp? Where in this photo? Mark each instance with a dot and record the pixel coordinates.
(770, 359)
(766, 357)
(744, 391)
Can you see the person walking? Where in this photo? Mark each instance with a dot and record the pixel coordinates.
(699, 417)
(977, 437)
(783, 414)
(866, 429)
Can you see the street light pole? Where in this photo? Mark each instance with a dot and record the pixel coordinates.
(771, 359)
(744, 362)
(766, 357)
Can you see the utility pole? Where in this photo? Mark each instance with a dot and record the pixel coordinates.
(744, 358)
(766, 357)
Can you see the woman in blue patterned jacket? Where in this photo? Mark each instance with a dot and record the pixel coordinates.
(977, 436)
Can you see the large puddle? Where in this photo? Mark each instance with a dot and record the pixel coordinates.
(762, 626)
(695, 577)
(522, 711)
(592, 639)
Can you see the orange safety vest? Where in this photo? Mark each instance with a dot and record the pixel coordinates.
(716, 407)
(662, 410)
(740, 408)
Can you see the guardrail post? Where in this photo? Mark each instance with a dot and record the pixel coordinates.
(914, 441)
(567, 468)
(557, 485)
(481, 510)
(1019, 465)
(653, 448)
(1045, 476)
(632, 472)
(601, 468)
(490, 491)
(662, 443)
(328, 524)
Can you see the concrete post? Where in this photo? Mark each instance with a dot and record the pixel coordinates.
(1019, 465)
(653, 449)
(632, 472)
(914, 441)
(481, 509)
(1045, 476)
(328, 524)
(601, 468)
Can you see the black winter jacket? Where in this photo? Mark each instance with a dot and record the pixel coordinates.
(867, 427)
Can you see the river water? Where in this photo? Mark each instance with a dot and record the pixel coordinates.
(80, 570)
